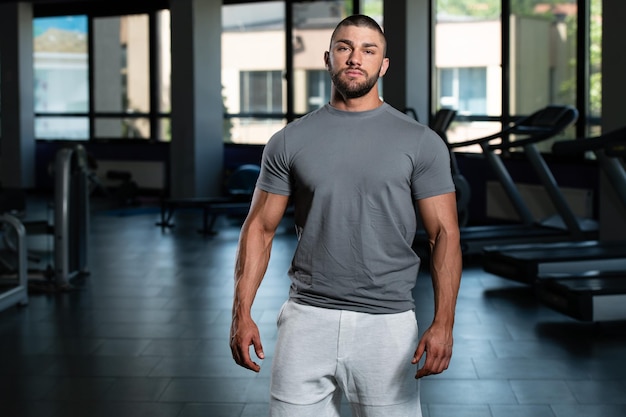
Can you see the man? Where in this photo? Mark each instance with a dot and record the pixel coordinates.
(354, 169)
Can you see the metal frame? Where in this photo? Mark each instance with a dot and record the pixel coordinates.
(19, 294)
(71, 216)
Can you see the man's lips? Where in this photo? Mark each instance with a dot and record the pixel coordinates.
(353, 73)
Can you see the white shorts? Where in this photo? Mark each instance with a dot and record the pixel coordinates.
(321, 353)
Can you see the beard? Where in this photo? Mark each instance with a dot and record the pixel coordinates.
(350, 88)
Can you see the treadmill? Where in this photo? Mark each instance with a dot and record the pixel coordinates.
(584, 280)
(539, 126)
(524, 263)
(595, 297)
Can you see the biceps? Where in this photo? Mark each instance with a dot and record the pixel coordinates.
(266, 210)
(438, 213)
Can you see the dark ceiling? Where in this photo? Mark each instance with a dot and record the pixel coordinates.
(93, 7)
(106, 7)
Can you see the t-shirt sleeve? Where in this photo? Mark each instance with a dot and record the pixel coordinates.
(274, 177)
(432, 174)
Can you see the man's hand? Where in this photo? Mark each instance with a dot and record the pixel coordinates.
(243, 334)
(437, 344)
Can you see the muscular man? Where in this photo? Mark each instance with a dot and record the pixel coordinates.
(355, 169)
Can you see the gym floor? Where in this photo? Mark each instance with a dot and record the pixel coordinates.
(146, 334)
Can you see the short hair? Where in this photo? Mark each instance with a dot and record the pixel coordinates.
(361, 20)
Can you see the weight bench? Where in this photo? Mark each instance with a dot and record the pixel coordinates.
(238, 187)
(212, 208)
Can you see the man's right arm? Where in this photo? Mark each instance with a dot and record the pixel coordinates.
(253, 255)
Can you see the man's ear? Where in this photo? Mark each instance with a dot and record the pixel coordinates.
(384, 67)
(327, 60)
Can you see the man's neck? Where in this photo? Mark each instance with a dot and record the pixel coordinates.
(367, 102)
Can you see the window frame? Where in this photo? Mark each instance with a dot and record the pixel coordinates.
(101, 8)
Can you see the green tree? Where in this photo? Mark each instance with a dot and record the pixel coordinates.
(595, 59)
(476, 8)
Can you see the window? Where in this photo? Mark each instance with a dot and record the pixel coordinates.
(261, 92)
(533, 49)
(464, 89)
(124, 94)
(542, 54)
(253, 64)
(317, 89)
(265, 84)
(595, 68)
(61, 85)
(273, 72)
(468, 67)
(313, 23)
(121, 77)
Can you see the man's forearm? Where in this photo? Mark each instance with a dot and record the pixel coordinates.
(251, 264)
(446, 267)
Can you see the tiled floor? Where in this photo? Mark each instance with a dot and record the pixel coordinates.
(146, 334)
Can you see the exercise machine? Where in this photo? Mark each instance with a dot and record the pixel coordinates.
(524, 263)
(70, 226)
(543, 124)
(440, 124)
(71, 217)
(13, 274)
(584, 280)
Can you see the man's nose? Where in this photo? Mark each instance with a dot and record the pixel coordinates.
(354, 58)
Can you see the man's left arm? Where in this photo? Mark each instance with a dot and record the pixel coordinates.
(439, 216)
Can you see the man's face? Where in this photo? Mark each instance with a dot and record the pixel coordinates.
(356, 60)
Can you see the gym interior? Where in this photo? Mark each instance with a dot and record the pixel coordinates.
(130, 138)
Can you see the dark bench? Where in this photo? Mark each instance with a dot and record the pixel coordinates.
(238, 190)
(212, 208)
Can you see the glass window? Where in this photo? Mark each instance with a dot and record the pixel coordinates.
(253, 64)
(122, 127)
(61, 77)
(468, 74)
(373, 8)
(257, 130)
(121, 74)
(464, 89)
(317, 89)
(313, 24)
(164, 73)
(543, 54)
(595, 68)
(542, 57)
(261, 91)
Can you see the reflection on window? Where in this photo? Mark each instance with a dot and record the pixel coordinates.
(373, 8)
(318, 89)
(61, 76)
(249, 130)
(121, 74)
(121, 77)
(253, 64)
(464, 89)
(122, 127)
(595, 68)
(63, 128)
(164, 72)
(261, 92)
(467, 56)
(313, 24)
(543, 56)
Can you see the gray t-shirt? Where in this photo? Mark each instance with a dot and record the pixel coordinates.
(353, 178)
